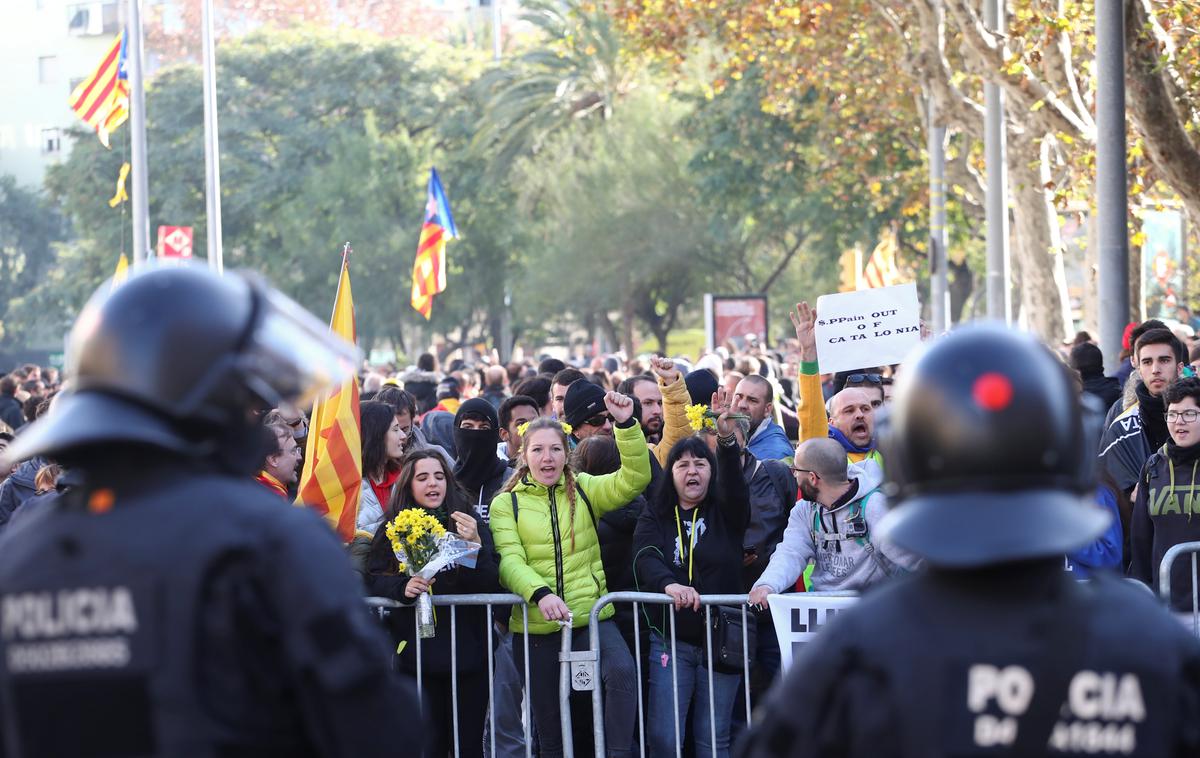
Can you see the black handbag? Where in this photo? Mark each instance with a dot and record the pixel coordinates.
(728, 652)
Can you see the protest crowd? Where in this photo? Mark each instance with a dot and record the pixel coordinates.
(747, 470)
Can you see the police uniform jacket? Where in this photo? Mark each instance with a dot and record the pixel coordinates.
(951, 663)
(167, 611)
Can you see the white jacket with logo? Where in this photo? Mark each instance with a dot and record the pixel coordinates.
(843, 563)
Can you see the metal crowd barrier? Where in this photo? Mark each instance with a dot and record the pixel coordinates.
(584, 664)
(487, 601)
(1164, 578)
(579, 669)
(591, 658)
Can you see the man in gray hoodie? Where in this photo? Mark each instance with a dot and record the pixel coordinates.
(832, 525)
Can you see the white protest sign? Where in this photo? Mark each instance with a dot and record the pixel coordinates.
(867, 328)
(798, 618)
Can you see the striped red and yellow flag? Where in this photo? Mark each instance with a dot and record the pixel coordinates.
(429, 268)
(102, 99)
(332, 476)
(881, 270)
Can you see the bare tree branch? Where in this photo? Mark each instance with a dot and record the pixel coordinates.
(783, 262)
(984, 51)
(935, 73)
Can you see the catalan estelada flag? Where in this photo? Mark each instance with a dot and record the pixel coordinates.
(429, 269)
(881, 270)
(332, 476)
(102, 99)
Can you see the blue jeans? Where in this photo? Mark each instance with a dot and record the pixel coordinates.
(691, 669)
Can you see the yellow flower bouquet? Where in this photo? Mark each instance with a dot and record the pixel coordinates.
(423, 547)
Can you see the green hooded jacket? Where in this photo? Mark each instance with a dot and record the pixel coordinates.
(535, 546)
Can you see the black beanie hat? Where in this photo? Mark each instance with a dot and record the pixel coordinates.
(701, 385)
(1087, 359)
(583, 401)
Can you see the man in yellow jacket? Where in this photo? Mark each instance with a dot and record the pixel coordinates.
(675, 400)
(851, 420)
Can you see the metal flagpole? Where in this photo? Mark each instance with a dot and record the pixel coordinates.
(496, 32)
(504, 349)
(939, 292)
(139, 199)
(212, 154)
(1112, 202)
(999, 287)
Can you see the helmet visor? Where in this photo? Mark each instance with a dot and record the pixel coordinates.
(293, 357)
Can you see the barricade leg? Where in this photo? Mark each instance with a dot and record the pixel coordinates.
(617, 671)
(527, 700)
(454, 678)
(538, 655)
(1195, 603)
(506, 737)
(637, 662)
(567, 639)
(672, 684)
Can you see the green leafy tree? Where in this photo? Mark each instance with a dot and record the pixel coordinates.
(325, 137)
(30, 229)
(622, 232)
(577, 71)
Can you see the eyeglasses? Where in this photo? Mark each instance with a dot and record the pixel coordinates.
(872, 378)
(805, 471)
(1186, 417)
(599, 420)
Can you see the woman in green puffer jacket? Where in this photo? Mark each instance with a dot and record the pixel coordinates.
(544, 527)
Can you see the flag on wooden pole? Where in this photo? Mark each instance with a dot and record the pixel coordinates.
(332, 476)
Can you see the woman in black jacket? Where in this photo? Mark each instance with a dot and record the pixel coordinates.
(426, 482)
(689, 542)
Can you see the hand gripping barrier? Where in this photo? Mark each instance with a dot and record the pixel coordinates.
(487, 601)
(1164, 578)
(584, 665)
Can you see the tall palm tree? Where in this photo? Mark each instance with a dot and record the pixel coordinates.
(578, 73)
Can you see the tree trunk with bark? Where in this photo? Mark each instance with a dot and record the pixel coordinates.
(1037, 240)
(628, 311)
(1158, 103)
(961, 284)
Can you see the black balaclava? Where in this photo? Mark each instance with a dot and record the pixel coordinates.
(475, 449)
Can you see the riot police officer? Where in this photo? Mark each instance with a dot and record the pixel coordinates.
(167, 605)
(992, 649)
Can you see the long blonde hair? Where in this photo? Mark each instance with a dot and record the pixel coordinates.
(522, 469)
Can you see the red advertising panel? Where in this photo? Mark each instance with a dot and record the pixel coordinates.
(735, 318)
(174, 242)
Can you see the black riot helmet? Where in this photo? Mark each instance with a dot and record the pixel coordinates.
(991, 453)
(178, 358)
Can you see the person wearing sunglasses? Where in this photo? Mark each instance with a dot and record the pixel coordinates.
(871, 381)
(1168, 496)
(585, 412)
